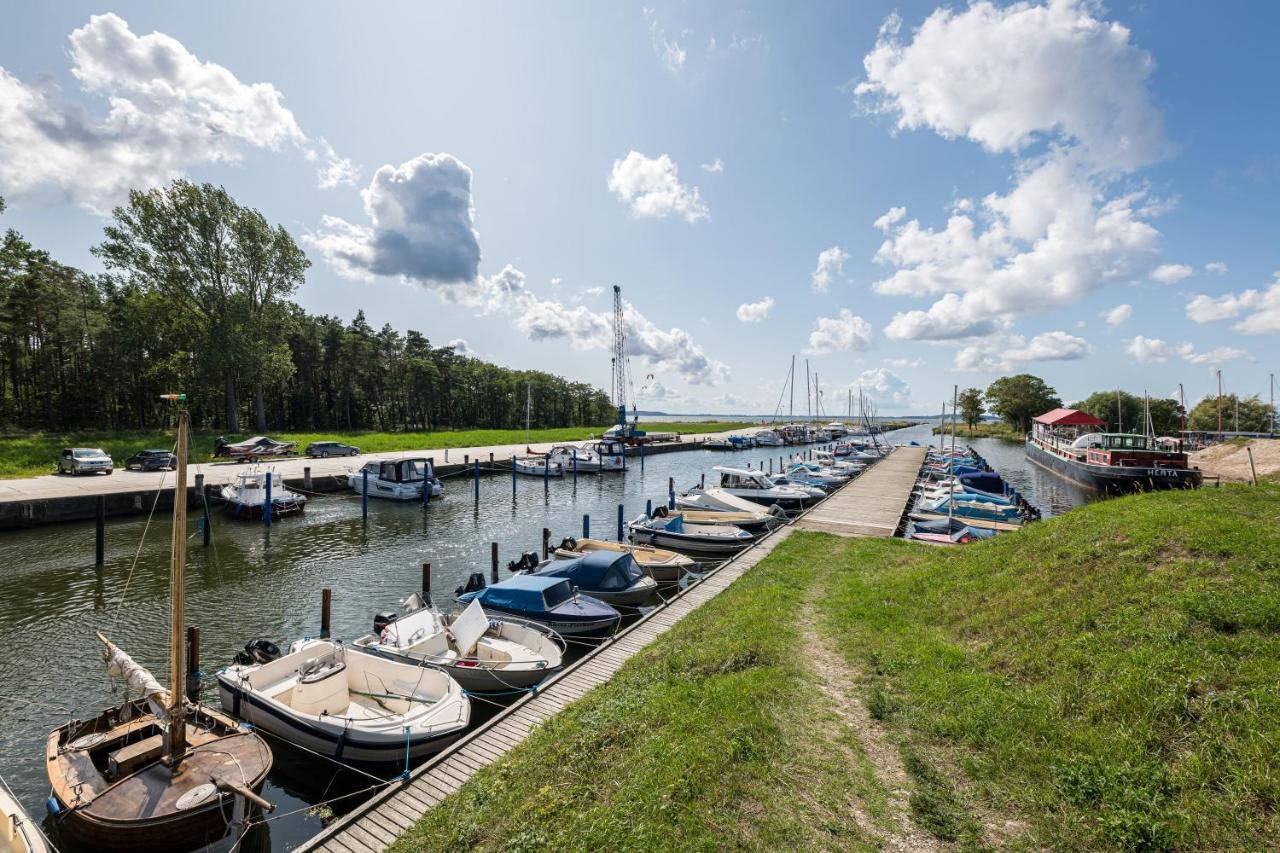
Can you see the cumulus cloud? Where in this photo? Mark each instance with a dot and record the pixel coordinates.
(656, 392)
(668, 50)
(1006, 353)
(830, 264)
(1171, 273)
(166, 111)
(651, 187)
(883, 385)
(716, 166)
(1215, 356)
(1155, 350)
(1216, 267)
(461, 347)
(1007, 77)
(1119, 315)
(754, 312)
(901, 363)
(1148, 349)
(1258, 310)
(843, 333)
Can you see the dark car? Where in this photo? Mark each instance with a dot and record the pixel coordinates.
(325, 449)
(151, 460)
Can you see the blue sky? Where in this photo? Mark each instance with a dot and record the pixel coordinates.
(467, 170)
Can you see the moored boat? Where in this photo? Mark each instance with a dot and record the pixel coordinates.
(247, 496)
(614, 578)
(1070, 443)
(661, 564)
(19, 833)
(398, 480)
(707, 540)
(548, 601)
(538, 466)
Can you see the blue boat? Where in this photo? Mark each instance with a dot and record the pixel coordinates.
(614, 577)
(550, 601)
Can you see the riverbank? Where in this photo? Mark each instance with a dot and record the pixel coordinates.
(1099, 681)
(983, 430)
(1230, 462)
(36, 454)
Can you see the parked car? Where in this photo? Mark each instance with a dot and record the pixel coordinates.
(151, 460)
(84, 460)
(325, 449)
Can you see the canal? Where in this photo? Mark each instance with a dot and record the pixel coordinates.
(254, 582)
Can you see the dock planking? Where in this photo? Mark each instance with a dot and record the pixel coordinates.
(874, 503)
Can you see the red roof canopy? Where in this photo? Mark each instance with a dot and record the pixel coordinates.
(1069, 417)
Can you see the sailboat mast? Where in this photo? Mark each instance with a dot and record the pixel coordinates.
(951, 484)
(791, 415)
(177, 743)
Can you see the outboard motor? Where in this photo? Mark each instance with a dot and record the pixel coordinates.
(258, 651)
(528, 562)
(568, 543)
(381, 621)
(475, 583)
(659, 512)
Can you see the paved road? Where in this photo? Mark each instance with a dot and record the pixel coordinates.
(54, 486)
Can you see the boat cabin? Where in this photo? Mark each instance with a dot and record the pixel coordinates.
(739, 478)
(527, 593)
(399, 470)
(1077, 436)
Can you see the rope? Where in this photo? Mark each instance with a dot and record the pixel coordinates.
(141, 541)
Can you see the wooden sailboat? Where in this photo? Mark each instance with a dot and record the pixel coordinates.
(157, 772)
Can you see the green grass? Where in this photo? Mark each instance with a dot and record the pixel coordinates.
(983, 430)
(1102, 681)
(37, 453)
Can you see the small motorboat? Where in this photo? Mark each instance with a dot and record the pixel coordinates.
(351, 706)
(768, 438)
(718, 444)
(742, 442)
(538, 466)
(246, 497)
(756, 486)
(658, 563)
(713, 499)
(611, 453)
(960, 537)
(484, 654)
(801, 482)
(397, 480)
(550, 601)
(571, 456)
(613, 577)
(949, 526)
(708, 540)
(757, 523)
(19, 834)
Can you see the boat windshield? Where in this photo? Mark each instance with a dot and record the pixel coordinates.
(554, 596)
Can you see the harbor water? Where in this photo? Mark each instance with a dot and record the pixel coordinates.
(258, 582)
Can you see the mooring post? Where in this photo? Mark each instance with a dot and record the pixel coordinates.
(702, 480)
(546, 470)
(364, 493)
(493, 559)
(266, 503)
(426, 485)
(426, 581)
(619, 522)
(476, 477)
(641, 458)
(546, 542)
(575, 467)
(204, 502)
(446, 456)
(671, 493)
(771, 466)
(466, 459)
(306, 478)
(193, 662)
(1252, 470)
(326, 607)
(586, 525)
(648, 507)
(491, 459)
(513, 476)
(100, 532)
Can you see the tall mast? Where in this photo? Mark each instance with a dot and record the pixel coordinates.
(1119, 413)
(177, 744)
(1272, 386)
(955, 399)
(619, 358)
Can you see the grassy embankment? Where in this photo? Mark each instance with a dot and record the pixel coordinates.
(886, 426)
(984, 430)
(1102, 681)
(32, 455)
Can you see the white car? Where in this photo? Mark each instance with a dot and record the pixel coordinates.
(84, 460)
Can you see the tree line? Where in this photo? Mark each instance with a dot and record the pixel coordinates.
(1017, 400)
(197, 297)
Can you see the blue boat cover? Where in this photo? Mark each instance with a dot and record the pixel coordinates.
(985, 481)
(605, 571)
(527, 593)
(673, 524)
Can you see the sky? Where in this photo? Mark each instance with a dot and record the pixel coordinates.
(904, 196)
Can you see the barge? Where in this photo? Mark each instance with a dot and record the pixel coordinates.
(1072, 445)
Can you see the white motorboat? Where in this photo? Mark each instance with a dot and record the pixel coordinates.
(710, 540)
(611, 452)
(538, 466)
(20, 834)
(714, 499)
(484, 654)
(398, 480)
(571, 456)
(246, 497)
(797, 482)
(349, 705)
(756, 486)
(768, 438)
(837, 429)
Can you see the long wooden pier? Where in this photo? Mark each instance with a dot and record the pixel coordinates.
(873, 504)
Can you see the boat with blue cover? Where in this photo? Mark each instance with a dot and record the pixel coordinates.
(707, 540)
(547, 600)
(611, 576)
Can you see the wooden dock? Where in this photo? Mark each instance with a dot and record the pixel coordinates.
(375, 824)
(873, 504)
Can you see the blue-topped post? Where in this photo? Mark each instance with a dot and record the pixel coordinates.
(513, 476)
(266, 505)
(364, 493)
(427, 472)
(641, 459)
(648, 508)
(476, 477)
(546, 470)
(586, 525)
(671, 493)
(619, 522)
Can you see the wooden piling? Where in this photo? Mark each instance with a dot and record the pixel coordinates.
(546, 542)
(326, 608)
(100, 532)
(306, 479)
(364, 494)
(266, 503)
(586, 525)
(493, 559)
(620, 522)
(476, 478)
(513, 477)
(193, 663)
(426, 580)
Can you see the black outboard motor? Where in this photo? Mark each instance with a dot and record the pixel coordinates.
(381, 621)
(528, 562)
(258, 651)
(475, 583)
(568, 543)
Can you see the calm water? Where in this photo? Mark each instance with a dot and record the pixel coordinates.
(258, 583)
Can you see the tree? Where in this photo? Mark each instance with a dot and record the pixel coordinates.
(1124, 411)
(1254, 415)
(971, 406)
(1018, 399)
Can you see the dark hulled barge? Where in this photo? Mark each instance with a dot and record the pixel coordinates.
(1071, 444)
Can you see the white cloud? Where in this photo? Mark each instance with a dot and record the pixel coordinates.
(843, 333)
(1258, 310)
(166, 112)
(755, 312)
(1172, 273)
(884, 386)
(1148, 349)
(334, 171)
(656, 392)
(716, 166)
(651, 187)
(894, 215)
(668, 50)
(461, 347)
(586, 292)
(1213, 357)
(1007, 77)
(422, 230)
(830, 264)
(1216, 267)
(901, 363)
(1006, 353)
(1119, 315)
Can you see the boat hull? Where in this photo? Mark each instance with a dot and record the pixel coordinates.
(279, 509)
(1111, 479)
(700, 546)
